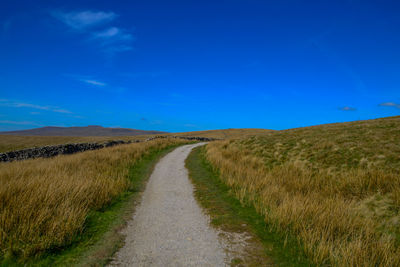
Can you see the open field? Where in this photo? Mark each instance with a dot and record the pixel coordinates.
(14, 142)
(336, 188)
(44, 203)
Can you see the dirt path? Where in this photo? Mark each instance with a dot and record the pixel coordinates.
(168, 227)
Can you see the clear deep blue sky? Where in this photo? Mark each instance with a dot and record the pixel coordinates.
(194, 65)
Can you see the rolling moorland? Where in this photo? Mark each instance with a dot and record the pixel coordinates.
(15, 142)
(45, 136)
(334, 188)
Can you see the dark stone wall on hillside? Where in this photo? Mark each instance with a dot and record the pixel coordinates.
(51, 151)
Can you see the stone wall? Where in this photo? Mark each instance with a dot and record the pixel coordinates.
(51, 151)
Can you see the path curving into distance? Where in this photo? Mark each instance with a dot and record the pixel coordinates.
(169, 227)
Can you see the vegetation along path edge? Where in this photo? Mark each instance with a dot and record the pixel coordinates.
(101, 237)
(253, 242)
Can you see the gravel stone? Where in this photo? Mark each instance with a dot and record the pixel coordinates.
(169, 227)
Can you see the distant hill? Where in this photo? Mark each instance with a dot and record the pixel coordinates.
(92, 130)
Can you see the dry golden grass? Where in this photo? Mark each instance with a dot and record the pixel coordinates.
(44, 202)
(335, 187)
(15, 142)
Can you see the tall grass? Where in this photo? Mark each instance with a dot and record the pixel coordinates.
(44, 202)
(334, 187)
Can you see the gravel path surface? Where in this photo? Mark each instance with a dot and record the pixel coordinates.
(168, 227)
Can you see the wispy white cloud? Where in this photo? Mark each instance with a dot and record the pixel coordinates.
(93, 82)
(95, 25)
(19, 122)
(96, 84)
(389, 104)
(113, 34)
(85, 19)
(114, 40)
(347, 108)
(16, 104)
(61, 111)
(26, 105)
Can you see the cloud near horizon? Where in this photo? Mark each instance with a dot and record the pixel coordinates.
(19, 122)
(389, 104)
(347, 108)
(14, 104)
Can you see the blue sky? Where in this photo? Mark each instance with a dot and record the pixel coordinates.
(195, 65)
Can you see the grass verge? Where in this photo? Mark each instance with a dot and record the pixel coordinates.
(101, 235)
(266, 247)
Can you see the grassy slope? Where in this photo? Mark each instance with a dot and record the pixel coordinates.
(98, 238)
(266, 247)
(340, 146)
(335, 187)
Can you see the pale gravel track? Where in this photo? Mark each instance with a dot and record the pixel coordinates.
(168, 227)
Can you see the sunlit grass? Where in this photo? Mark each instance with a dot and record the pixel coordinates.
(334, 187)
(44, 202)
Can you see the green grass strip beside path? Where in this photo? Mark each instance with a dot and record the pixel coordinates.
(228, 214)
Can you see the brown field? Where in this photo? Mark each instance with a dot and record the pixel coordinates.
(15, 142)
(336, 188)
(44, 202)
